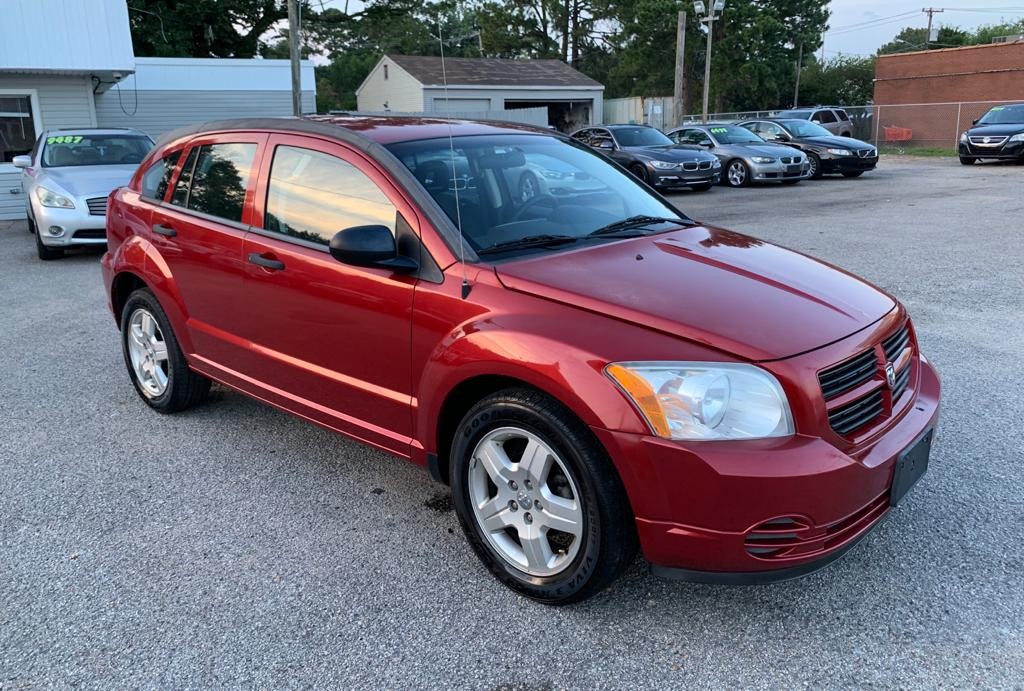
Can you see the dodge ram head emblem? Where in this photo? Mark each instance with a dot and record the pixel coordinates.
(890, 375)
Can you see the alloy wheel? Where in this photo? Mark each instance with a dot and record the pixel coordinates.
(147, 350)
(813, 161)
(528, 188)
(525, 501)
(737, 174)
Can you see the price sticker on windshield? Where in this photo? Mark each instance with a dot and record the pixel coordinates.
(65, 139)
(718, 130)
(997, 108)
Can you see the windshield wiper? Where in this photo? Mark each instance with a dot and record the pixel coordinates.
(529, 241)
(636, 222)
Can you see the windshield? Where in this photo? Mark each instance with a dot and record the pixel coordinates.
(507, 188)
(83, 149)
(640, 136)
(1004, 115)
(797, 114)
(803, 128)
(731, 134)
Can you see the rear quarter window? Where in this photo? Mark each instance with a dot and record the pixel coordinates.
(158, 176)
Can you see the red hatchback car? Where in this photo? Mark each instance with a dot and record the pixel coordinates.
(589, 369)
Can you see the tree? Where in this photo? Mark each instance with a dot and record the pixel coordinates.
(843, 81)
(203, 28)
(912, 39)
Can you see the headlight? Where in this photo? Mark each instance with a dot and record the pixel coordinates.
(716, 164)
(49, 198)
(963, 138)
(664, 165)
(1017, 137)
(705, 400)
(762, 159)
(842, 152)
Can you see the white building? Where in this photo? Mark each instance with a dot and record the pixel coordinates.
(416, 84)
(69, 64)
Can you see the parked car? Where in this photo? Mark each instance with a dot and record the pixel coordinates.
(587, 377)
(653, 157)
(826, 153)
(543, 174)
(998, 134)
(835, 120)
(66, 179)
(745, 157)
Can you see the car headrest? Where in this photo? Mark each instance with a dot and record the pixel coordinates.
(435, 175)
(61, 156)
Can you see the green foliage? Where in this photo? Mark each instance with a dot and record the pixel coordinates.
(842, 81)
(913, 39)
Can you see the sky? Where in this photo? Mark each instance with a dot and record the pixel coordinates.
(860, 27)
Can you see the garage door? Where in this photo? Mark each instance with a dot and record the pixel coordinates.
(463, 105)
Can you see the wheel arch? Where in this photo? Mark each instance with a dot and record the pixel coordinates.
(124, 284)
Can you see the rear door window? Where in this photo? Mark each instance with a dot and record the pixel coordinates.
(312, 195)
(214, 179)
(824, 116)
(842, 115)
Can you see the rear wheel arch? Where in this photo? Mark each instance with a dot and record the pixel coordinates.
(123, 285)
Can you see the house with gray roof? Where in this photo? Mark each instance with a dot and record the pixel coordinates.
(416, 84)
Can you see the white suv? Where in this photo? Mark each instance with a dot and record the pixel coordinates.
(835, 120)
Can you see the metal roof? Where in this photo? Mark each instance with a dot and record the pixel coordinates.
(496, 72)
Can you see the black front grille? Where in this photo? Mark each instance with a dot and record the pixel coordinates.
(97, 206)
(866, 153)
(690, 165)
(705, 165)
(852, 416)
(90, 234)
(902, 379)
(895, 344)
(848, 375)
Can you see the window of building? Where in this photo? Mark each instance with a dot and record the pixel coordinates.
(313, 195)
(385, 71)
(17, 126)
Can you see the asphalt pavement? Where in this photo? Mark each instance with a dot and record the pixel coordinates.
(235, 546)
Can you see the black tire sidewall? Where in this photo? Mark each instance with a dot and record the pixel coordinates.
(145, 299)
(639, 172)
(576, 581)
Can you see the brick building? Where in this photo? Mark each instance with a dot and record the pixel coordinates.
(962, 83)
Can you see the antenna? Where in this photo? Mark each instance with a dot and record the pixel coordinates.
(455, 182)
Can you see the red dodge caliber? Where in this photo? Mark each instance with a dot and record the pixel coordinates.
(591, 371)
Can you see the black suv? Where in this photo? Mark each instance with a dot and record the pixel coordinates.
(998, 134)
(826, 152)
(653, 157)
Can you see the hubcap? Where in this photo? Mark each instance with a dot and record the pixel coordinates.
(737, 173)
(814, 165)
(147, 351)
(538, 527)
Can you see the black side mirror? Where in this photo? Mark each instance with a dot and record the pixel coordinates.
(975, 122)
(372, 246)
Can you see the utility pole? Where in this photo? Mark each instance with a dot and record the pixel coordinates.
(679, 92)
(799, 69)
(293, 50)
(711, 8)
(931, 12)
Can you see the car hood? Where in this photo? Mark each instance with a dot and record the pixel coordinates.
(996, 130)
(755, 149)
(90, 181)
(734, 293)
(670, 153)
(836, 142)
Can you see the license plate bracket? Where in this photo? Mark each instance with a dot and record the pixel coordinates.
(911, 465)
(791, 170)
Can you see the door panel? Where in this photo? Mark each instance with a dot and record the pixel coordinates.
(204, 253)
(332, 340)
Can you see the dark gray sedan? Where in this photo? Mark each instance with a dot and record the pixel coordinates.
(653, 157)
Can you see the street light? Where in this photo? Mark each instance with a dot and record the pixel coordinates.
(710, 12)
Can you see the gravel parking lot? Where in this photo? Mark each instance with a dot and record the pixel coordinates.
(237, 546)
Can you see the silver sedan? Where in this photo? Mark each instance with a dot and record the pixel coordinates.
(66, 179)
(745, 157)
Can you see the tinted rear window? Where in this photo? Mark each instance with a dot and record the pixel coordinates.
(218, 180)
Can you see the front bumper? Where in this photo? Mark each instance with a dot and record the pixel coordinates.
(716, 498)
(848, 164)
(777, 172)
(665, 179)
(77, 226)
(1010, 151)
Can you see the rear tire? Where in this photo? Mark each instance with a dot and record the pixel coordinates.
(853, 173)
(155, 363)
(523, 467)
(46, 253)
(967, 161)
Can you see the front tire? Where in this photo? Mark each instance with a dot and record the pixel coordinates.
(967, 161)
(155, 363)
(46, 253)
(737, 173)
(538, 498)
(529, 187)
(815, 163)
(640, 172)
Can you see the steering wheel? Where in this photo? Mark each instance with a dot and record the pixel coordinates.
(528, 205)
